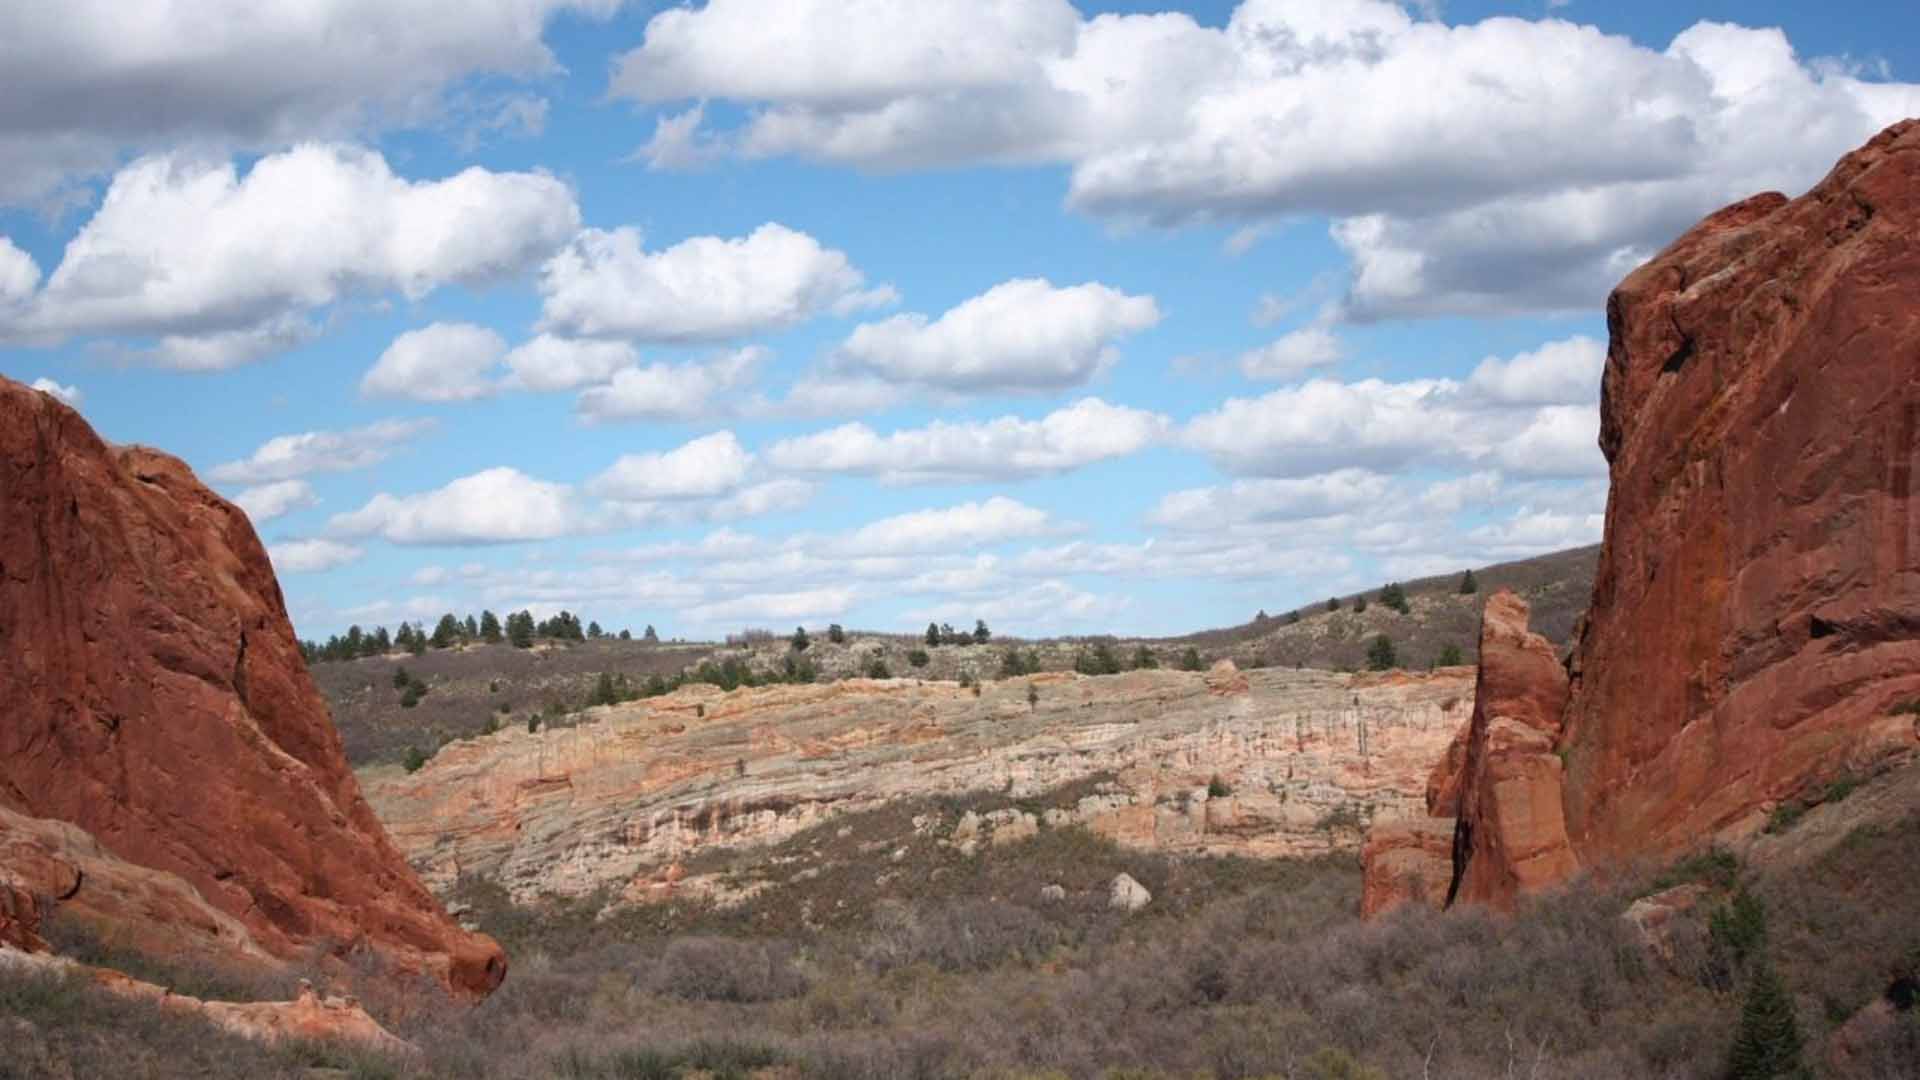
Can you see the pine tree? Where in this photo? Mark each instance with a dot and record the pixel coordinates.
(1395, 597)
(603, 692)
(1143, 658)
(1450, 656)
(594, 631)
(446, 632)
(1381, 655)
(981, 635)
(1467, 584)
(836, 635)
(520, 629)
(1190, 660)
(800, 639)
(1767, 1045)
(470, 629)
(933, 633)
(490, 628)
(1333, 603)
(650, 637)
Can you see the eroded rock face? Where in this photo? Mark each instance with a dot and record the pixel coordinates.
(1409, 861)
(156, 699)
(1756, 615)
(1511, 837)
(1307, 759)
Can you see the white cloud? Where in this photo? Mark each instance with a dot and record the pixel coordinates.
(222, 265)
(285, 457)
(796, 607)
(69, 394)
(1500, 166)
(1085, 432)
(704, 468)
(268, 501)
(1535, 532)
(1457, 493)
(768, 497)
(19, 274)
(1040, 608)
(689, 391)
(970, 524)
(556, 363)
(1560, 440)
(1270, 499)
(1020, 335)
(1557, 373)
(702, 289)
(1292, 355)
(91, 79)
(439, 362)
(311, 556)
(499, 505)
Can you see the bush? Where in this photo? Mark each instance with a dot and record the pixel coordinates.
(918, 657)
(1217, 788)
(1190, 660)
(877, 669)
(727, 969)
(1450, 656)
(836, 635)
(1381, 655)
(1395, 597)
(415, 759)
(1143, 658)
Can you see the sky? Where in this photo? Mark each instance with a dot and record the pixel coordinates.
(1125, 317)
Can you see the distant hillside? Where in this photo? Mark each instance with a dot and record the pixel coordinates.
(468, 688)
(1557, 586)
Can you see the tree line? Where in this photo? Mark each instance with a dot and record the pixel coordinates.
(520, 629)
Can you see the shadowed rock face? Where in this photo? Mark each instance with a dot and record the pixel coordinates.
(1756, 615)
(156, 699)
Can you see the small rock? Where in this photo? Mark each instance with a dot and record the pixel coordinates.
(1126, 894)
(899, 854)
(1052, 894)
(968, 825)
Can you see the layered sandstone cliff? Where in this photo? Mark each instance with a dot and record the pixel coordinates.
(1303, 761)
(159, 716)
(1755, 624)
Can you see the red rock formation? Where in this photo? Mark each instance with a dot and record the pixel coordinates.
(156, 698)
(1409, 861)
(1443, 783)
(1756, 614)
(1512, 837)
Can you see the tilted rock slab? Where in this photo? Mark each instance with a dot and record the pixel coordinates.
(156, 698)
(1309, 758)
(1756, 615)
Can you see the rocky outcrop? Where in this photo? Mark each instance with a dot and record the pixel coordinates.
(1756, 615)
(1409, 861)
(1304, 761)
(1511, 837)
(156, 700)
(1126, 894)
(311, 1017)
(1755, 623)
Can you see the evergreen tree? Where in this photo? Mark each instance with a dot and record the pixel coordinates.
(933, 633)
(836, 635)
(603, 691)
(418, 646)
(1333, 603)
(520, 629)
(1767, 1045)
(401, 678)
(382, 643)
(1013, 665)
(800, 639)
(594, 631)
(981, 635)
(1143, 658)
(470, 630)
(918, 657)
(1395, 597)
(1380, 654)
(1293, 616)
(490, 628)
(626, 635)
(1360, 603)
(1467, 584)
(1450, 656)
(1190, 660)
(650, 637)
(446, 633)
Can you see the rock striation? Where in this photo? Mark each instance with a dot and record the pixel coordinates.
(1303, 759)
(158, 705)
(1755, 624)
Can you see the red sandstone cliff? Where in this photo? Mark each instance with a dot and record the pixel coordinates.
(1755, 620)
(156, 699)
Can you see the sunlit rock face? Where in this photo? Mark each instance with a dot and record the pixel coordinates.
(1303, 762)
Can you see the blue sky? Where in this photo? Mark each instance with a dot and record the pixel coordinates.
(1124, 317)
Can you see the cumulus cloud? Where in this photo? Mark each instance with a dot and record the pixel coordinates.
(311, 556)
(1021, 335)
(499, 505)
(1042, 607)
(797, 607)
(286, 457)
(1292, 355)
(68, 394)
(1271, 499)
(222, 266)
(706, 288)
(556, 363)
(1085, 432)
(1493, 418)
(19, 275)
(265, 502)
(993, 521)
(1499, 166)
(704, 468)
(686, 391)
(440, 362)
(89, 80)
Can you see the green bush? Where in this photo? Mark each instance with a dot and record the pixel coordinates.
(1190, 660)
(415, 758)
(918, 657)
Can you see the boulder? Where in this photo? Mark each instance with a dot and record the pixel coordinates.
(1754, 617)
(1052, 894)
(1225, 679)
(157, 700)
(1511, 836)
(1128, 895)
(1409, 861)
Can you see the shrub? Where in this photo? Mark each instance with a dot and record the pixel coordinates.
(411, 695)
(1450, 656)
(1395, 597)
(1217, 788)
(1467, 584)
(918, 657)
(1013, 665)
(416, 758)
(1190, 660)
(800, 640)
(836, 635)
(1143, 658)
(727, 969)
(877, 669)
(401, 680)
(1381, 655)
(1767, 1045)
(1033, 696)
